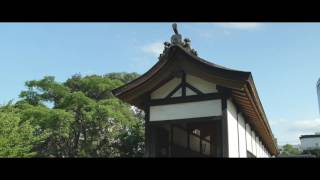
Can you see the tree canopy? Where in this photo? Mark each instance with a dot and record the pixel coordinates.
(77, 118)
(289, 150)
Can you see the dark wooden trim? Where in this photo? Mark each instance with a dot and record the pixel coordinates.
(183, 84)
(224, 128)
(225, 91)
(200, 140)
(188, 139)
(193, 98)
(245, 98)
(171, 140)
(147, 129)
(239, 93)
(193, 89)
(173, 91)
(199, 119)
(243, 102)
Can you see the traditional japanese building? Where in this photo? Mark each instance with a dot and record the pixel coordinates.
(195, 108)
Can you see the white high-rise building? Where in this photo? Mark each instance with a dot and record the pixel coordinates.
(318, 92)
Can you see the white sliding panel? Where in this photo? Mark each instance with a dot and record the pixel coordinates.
(186, 110)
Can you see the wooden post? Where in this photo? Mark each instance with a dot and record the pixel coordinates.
(147, 130)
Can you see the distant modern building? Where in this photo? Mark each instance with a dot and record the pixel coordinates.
(318, 92)
(309, 142)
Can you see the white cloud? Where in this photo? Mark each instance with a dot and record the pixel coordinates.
(307, 125)
(155, 48)
(288, 132)
(241, 26)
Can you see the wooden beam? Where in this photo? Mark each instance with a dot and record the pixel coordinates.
(174, 91)
(193, 98)
(241, 93)
(224, 129)
(194, 89)
(243, 105)
(147, 131)
(189, 120)
(245, 98)
(183, 84)
(242, 101)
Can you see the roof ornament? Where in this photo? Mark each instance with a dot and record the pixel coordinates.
(176, 39)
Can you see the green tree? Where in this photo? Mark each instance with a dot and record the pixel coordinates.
(288, 149)
(17, 137)
(85, 120)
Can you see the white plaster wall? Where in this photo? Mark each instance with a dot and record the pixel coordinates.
(186, 110)
(202, 85)
(178, 93)
(240, 132)
(261, 149)
(189, 92)
(232, 129)
(254, 144)
(164, 90)
(249, 138)
(258, 146)
(242, 136)
(310, 143)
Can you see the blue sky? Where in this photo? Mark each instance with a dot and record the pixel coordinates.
(283, 57)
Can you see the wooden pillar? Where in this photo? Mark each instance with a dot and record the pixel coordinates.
(224, 122)
(148, 133)
(171, 141)
(224, 128)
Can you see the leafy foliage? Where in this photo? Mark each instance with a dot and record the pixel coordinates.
(85, 120)
(17, 137)
(288, 149)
